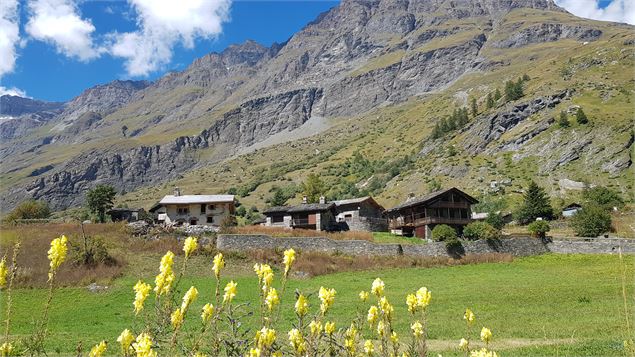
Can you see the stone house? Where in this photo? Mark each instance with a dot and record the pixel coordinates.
(418, 216)
(360, 214)
(205, 210)
(119, 214)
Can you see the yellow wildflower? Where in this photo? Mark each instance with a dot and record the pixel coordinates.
(373, 313)
(276, 354)
(316, 327)
(265, 338)
(188, 298)
(254, 352)
(141, 290)
(165, 278)
(297, 341)
(98, 350)
(3, 272)
(483, 352)
(272, 299)
(327, 296)
(417, 329)
(208, 311)
(363, 295)
(369, 348)
(469, 316)
(329, 328)
(190, 245)
(143, 346)
(219, 264)
(423, 297)
(377, 288)
(464, 344)
(125, 340)
(6, 349)
(486, 334)
(394, 338)
(381, 328)
(57, 254)
(301, 305)
(230, 292)
(289, 258)
(177, 318)
(411, 301)
(349, 342)
(386, 307)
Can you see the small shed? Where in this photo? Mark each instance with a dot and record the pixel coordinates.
(571, 210)
(120, 214)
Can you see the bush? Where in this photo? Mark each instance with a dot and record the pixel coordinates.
(100, 199)
(480, 230)
(454, 247)
(495, 219)
(30, 209)
(592, 221)
(604, 197)
(443, 232)
(539, 229)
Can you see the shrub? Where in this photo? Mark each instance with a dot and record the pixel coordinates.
(539, 229)
(581, 117)
(563, 121)
(30, 209)
(495, 219)
(443, 232)
(592, 221)
(603, 196)
(480, 230)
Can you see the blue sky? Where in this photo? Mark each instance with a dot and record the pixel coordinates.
(61, 47)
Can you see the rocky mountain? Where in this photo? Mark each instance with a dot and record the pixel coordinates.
(15, 106)
(359, 61)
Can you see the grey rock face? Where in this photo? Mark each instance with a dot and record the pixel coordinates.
(490, 128)
(251, 122)
(548, 33)
(14, 106)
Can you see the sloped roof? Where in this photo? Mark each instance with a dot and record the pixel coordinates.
(276, 209)
(431, 197)
(185, 199)
(311, 207)
(351, 200)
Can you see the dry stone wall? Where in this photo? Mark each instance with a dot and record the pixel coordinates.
(522, 246)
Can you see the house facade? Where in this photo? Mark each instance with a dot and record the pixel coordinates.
(360, 214)
(418, 216)
(357, 214)
(205, 210)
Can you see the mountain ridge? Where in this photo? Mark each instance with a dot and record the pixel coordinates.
(353, 59)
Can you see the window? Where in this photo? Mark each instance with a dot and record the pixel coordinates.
(183, 210)
(348, 217)
(277, 218)
(211, 207)
(210, 219)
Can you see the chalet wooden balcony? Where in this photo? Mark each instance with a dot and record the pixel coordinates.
(421, 221)
(443, 204)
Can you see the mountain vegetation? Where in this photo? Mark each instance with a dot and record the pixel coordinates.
(458, 93)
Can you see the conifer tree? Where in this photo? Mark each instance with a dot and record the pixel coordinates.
(497, 95)
(535, 205)
(474, 107)
(563, 121)
(490, 101)
(580, 117)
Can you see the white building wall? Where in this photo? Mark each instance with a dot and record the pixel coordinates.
(220, 211)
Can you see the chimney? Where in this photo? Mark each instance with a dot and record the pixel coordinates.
(177, 191)
(304, 200)
(322, 200)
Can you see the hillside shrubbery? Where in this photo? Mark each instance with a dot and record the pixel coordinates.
(30, 209)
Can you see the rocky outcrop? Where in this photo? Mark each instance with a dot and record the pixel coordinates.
(253, 121)
(548, 33)
(14, 106)
(485, 130)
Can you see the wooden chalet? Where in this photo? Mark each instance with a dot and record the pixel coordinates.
(418, 216)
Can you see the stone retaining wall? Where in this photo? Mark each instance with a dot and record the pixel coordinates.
(524, 246)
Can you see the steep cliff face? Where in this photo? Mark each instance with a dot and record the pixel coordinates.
(359, 56)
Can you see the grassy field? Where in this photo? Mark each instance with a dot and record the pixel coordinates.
(547, 305)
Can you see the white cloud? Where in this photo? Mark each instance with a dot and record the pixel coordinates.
(59, 22)
(617, 10)
(164, 24)
(9, 35)
(12, 91)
